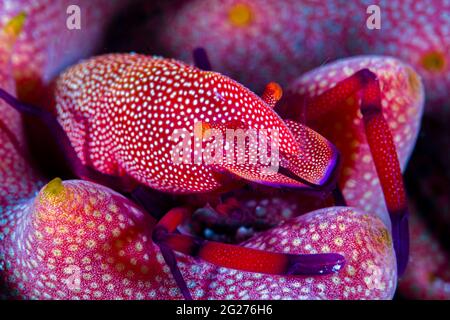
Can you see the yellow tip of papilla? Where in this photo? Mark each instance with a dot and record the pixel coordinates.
(53, 202)
(414, 81)
(15, 25)
(53, 189)
(240, 15)
(433, 61)
(383, 237)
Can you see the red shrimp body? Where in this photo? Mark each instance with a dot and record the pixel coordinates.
(121, 111)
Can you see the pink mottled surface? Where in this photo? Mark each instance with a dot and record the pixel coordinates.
(267, 46)
(278, 40)
(87, 230)
(370, 272)
(10, 119)
(402, 99)
(416, 32)
(17, 179)
(428, 272)
(80, 229)
(46, 45)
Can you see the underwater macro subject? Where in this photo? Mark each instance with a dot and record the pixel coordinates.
(224, 150)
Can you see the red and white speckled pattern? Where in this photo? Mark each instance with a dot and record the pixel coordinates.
(78, 226)
(17, 180)
(428, 272)
(370, 271)
(257, 41)
(84, 228)
(402, 104)
(46, 45)
(121, 112)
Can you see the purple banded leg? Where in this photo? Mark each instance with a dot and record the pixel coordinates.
(382, 147)
(236, 257)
